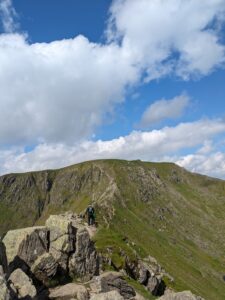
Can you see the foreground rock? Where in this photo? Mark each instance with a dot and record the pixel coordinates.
(71, 246)
(148, 273)
(52, 255)
(24, 246)
(44, 268)
(112, 281)
(113, 295)
(84, 263)
(4, 292)
(69, 291)
(62, 238)
(186, 295)
(21, 284)
(3, 258)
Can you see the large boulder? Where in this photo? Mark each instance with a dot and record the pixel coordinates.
(110, 281)
(21, 284)
(113, 295)
(69, 291)
(62, 238)
(24, 246)
(84, 263)
(186, 295)
(72, 247)
(44, 268)
(148, 273)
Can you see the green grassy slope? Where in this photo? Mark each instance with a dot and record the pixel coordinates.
(155, 209)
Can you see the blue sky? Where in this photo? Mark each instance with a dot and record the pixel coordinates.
(131, 79)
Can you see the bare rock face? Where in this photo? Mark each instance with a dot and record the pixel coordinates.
(22, 284)
(4, 292)
(44, 268)
(71, 246)
(149, 273)
(62, 238)
(113, 281)
(3, 258)
(69, 291)
(84, 263)
(25, 245)
(113, 295)
(186, 295)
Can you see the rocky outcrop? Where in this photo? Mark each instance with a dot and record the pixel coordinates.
(21, 284)
(113, 295)
(84, 263)
(3, 258)
(48, 254)
(72, 247)
(24, 246)
(186, 295)
(62, 238)
(44, 268)
(4, 292)
(41, 259)
(112, 281)
(148, 273)
(69, 291)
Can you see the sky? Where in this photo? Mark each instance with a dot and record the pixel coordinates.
(126, 79)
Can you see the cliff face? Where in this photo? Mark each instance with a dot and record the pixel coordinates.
(143, 208)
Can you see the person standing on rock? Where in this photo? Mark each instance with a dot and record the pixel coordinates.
(90, 212)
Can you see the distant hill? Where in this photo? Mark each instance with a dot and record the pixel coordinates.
(156, 209)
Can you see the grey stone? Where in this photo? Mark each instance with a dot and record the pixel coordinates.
(153, 285)
(84, 263)
(185, 295)
(3, 258)
(69, 291)
(4, 292)
(25, 245)
(44, 268)
(22, 284)
(110, 281)
(62, 238)
(113, 295)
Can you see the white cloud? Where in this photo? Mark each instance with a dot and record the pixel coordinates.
(156, 145)
(55, 94)
(8, 16)
(212, 164)
(58, 92)
(164, 109)
(157, 29)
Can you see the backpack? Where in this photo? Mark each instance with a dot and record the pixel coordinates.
(90, 210)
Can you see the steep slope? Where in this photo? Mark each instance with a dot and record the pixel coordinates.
(144, 208)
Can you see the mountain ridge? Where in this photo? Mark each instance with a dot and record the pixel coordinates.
(159, 208)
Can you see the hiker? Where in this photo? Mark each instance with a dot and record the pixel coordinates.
(90, 212)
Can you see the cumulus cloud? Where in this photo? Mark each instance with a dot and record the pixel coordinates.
(58, 92)
(164, 109)
(156, 30)
(54, 95)
(212, 164)
(8, 16)
(155, 145)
